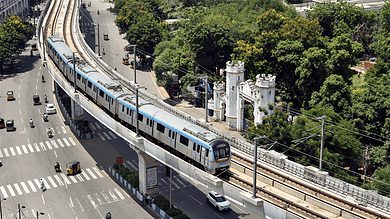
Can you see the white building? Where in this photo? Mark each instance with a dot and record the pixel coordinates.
(13, 7)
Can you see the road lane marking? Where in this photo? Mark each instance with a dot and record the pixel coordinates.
(11, 191)
(178, 180)
(2, 189)
(18, 188)
(92, 126)
(177, 186)
(71, 202)
(37, 182)
(42, 146)
(107, 136)
(163, 180)
(101, 137)
(18, 150)
(82, 209)
(30, 148)
(47, 186)
(25, 149)
(59, 180)
(98, 126)
(65, 179)
(1, 154)
(66, 142)
(6, 152)
(72, 141)
(112, 195)
(119, 193)
(105, 196)
(85, 175)
(73, 179)
(97, 171)
(12, 151)
(48, 145)
(31, 184)
(37, 147)
(52, 181)
(54, 144)
(80, 178)
(25, 187)
(63, 129)
(43, 200)
(112, 134)
(91, 200)
(91, 173)
(60, 142)
(98, 198)
(55, 154)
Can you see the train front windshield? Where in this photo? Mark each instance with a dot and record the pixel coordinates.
(222, 151)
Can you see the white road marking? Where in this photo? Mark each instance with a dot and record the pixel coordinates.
(72, 141)
(112, 134)
(82, 209)
(85, 175)
(43, 200)
(73, 179)
(59, 180)
(65, 179)
(6, 152)
(105, 196)
(31, 184)
(91, 200)
(2, 189)
(18, 150)
(91, 173)
(48, 145)
(178, 180)
(37, 182)
(52, 181)
(60, 142)
(80, 178)
(1, 154)
(101, 137)
(39, 111)
(36, 147)
(11, 191)
(113, 195)
(71, 202)
(18, 188)
(196, 200)
(107, 136)
(53, 142)
(63, 129)
(12, 151)
(55, 154)
(98, 126)
(92, 126)
(25, 149)
(25, 187)
(30, 148)
(42, 146)
(97, 197)
(97, 172)
(46, 184)
(177, 186)
(119, 193)
(66, 142)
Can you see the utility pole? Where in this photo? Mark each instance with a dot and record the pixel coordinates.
(98, 40)
(1, 209)
(366, 158)
(256, 139)
(20, 215)
(206, 95)
(322, 138)
(135, 64)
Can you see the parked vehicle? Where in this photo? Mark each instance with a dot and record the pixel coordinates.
(218, 201)
(10, 125)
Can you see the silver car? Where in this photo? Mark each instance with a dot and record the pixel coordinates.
(50, 109)
(218, 201)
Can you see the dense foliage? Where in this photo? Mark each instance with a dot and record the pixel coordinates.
(14, 34)
(310, 57)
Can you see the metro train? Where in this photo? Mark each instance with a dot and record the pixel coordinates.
(188, 141)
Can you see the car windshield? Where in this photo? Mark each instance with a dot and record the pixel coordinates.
(220, 199)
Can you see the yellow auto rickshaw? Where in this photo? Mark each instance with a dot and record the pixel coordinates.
(73, 167)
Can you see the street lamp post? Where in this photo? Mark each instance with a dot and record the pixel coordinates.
(256, 139)
(137, 107)
(322, 138)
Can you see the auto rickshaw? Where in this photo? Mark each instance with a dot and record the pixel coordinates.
(73, 167)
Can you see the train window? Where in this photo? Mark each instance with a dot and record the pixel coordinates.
(123, 108)
(194, 146)
(173, 135)
(89, 84)
(197, 149)
(127, 111)
(101, 93)
(207, 152)
(160, 128)
(78, 76)
(169, 133)
(112, 100)
(147, 121)
(140, 117)
(131, 112)
(184, 140)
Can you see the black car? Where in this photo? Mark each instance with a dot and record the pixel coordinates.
(2, 124)
(10, 125)
(36, 99)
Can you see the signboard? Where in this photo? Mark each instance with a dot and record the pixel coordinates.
(151, 177)
(78, 111)
(119, 160)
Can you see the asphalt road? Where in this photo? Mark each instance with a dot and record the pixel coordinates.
(28, 155)
(185, 196)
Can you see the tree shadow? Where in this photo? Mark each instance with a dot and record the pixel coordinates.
(21, 64)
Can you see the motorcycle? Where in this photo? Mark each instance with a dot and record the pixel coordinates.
(43, 79)
(45, 98)
(50, 133)
(43, 187)
(45, 117)
(57, 167)
(31, 123)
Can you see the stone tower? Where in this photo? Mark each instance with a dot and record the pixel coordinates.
(234, 76)
(264, 97)
(219, 104)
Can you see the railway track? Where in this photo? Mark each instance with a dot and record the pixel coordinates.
(61, 22)
(317, 203)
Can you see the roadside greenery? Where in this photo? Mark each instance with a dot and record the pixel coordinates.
(311, 59)
(14, 34)
(129, 175)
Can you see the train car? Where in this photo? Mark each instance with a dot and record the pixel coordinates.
(192, 143)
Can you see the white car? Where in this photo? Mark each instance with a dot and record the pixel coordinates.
(50, 109)
(218, 201)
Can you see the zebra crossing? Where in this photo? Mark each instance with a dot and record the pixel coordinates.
(51, 182)
(177, 181)
(105, 134)
(37, 147)
(101, 198)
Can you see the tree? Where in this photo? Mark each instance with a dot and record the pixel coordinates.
(381, 179)
(334, 94)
